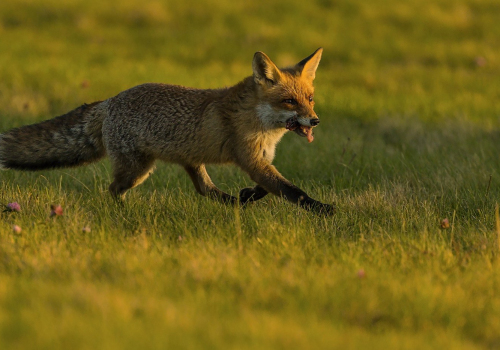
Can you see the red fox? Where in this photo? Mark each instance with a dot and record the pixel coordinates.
(192, 127)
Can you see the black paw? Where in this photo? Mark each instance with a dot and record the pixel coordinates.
(252, 194)
(318, 207)
(247, 195)
(325, 209)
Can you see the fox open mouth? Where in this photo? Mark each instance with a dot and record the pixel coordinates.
(293, 124)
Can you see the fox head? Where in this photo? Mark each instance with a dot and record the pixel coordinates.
(286, 96)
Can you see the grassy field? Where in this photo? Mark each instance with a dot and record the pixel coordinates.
(410, 135)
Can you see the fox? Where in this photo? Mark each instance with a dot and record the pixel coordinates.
(240, 125)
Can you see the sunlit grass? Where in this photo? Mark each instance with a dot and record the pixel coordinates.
(408, 98)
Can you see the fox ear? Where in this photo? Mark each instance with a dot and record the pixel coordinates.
(308, 65)
(264, 70)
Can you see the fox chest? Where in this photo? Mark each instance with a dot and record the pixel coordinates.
(266, 147)
(268, 153)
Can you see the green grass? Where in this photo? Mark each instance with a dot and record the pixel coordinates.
(410, 135)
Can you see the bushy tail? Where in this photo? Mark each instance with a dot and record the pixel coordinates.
(72, 139)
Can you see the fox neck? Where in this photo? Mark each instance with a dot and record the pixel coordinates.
(250, 118)
(258, 113)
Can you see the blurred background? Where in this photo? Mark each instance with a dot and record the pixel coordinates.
(428, 59)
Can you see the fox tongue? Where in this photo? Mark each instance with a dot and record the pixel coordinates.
(309, 133)
(303, 130)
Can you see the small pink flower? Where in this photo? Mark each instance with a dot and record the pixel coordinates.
(56, 210)
(14, 206)
(445, 223)
(480, 61)
(86, 229)
(361, 273)
(16, 229)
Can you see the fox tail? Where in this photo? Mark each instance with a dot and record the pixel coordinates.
(72, 139)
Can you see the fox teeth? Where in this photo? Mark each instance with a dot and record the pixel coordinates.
(292, 124)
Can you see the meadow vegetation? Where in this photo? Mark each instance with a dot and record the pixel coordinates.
(407, 93)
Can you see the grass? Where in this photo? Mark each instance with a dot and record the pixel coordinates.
(407, 93)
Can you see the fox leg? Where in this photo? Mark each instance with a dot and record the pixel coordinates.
(272, 181)
(205, 186)
(129, 172)
(252, 194)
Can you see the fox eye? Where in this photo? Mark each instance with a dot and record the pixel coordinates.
(290, 101)
(311, 98)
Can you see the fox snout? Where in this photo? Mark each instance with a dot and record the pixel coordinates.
(308, 121)
(314, 121)
(302, 126)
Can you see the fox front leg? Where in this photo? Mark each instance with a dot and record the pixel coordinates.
(270, 180)
(205, 186)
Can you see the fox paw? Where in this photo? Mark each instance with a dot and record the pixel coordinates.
(247, 195)
(319, 208)
(251, 194)
(325, 209)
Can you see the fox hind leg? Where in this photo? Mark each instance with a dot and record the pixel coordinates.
(205, 186)
(129, 172)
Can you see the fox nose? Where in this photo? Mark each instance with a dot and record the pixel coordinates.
(314, 121)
